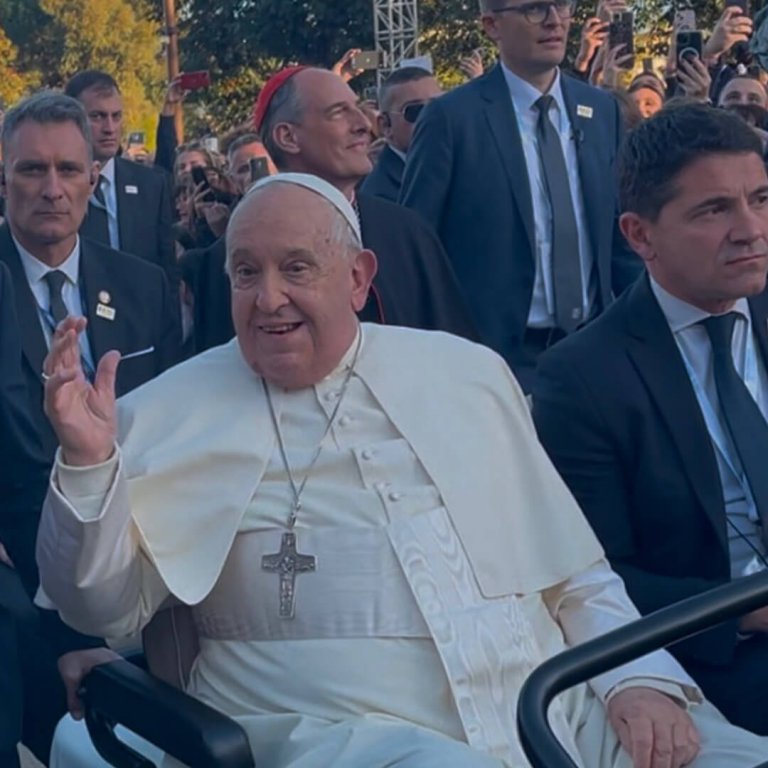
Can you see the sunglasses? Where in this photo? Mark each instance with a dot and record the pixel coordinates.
(411, 112)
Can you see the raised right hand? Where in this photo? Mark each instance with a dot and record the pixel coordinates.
(82, 414)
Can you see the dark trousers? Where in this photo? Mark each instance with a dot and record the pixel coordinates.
(32, 698)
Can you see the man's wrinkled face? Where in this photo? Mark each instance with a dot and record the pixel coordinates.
(333, 136)
(240, 164)
(47, 180)
(105, 112)
(295, 288)
(396, 126)
(709, 244)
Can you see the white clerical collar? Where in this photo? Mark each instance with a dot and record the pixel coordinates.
(681, 315)
(36, 270)
(108, 171)
(349, 356)
(524, 95)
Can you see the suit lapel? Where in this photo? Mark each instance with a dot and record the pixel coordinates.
(502, 121)
(33, 341)
(659, 363)
(759, 309)
(103, 334)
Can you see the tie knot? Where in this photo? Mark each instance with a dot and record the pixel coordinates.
(720, 330)
(55, 279)
(543, 103)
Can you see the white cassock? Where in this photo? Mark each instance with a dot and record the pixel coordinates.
(451, 559)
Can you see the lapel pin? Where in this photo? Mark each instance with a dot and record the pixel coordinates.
(584, 111)
(130, 189)
(104, 297)
(102, 310)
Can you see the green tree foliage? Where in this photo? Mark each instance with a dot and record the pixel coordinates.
(57, 38)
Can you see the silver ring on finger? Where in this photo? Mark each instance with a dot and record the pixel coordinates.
(45, 376)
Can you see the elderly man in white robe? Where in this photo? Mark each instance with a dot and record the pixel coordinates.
(376, 548)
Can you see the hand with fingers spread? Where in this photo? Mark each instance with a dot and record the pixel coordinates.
(593, 34)
(694, 78)
(655, 730)
(732, 27)
(82, 414)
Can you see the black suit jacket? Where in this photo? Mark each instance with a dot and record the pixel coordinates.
(145, 319)
(24, 469)
(144, 216)
(617, 413)
(414, 286)
(386, 178)
(466, 175)
(23, 466)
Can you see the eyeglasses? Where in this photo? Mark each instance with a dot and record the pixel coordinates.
(538, 12)
(411, 112)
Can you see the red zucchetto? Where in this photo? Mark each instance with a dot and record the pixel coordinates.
(271, 87)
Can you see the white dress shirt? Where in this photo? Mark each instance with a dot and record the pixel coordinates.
(107, 182)
(35, 271)
(693, 342)
(524, 98)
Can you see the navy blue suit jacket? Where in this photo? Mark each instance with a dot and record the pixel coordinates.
(466, 175)
(386, 178)
(616, 411)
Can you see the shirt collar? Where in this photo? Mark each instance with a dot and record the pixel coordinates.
(108, 171)
(524, 95)
(36, 270)
(398, 152)
(349, 357)
(681, 315)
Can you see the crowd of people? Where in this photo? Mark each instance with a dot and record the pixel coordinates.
(397, 398)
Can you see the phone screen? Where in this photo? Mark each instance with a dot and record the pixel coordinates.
(689, 45)
(199, 177)
(621, 32)
(259, 168)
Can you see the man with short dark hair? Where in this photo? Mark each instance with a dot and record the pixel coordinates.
(655, 414)
(514, 170)
(130, 208)
(401, 98)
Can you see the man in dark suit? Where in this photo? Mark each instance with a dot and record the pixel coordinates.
(309, 122)
(131, 208)
(402, 96)
(655, 414)
(32, 640)
(514, 170)
(48, 177)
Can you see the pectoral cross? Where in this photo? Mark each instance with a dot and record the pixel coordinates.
(287, 563)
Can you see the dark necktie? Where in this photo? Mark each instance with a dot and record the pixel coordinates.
(56, 279)
(99, 215)
(746, 424)
(566, 264)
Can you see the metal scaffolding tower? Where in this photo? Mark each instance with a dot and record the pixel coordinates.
(396, 27)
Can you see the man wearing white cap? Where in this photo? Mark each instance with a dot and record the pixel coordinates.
(370, 535)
